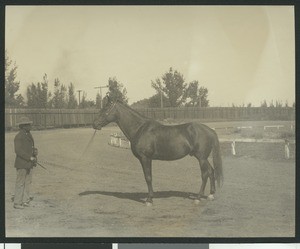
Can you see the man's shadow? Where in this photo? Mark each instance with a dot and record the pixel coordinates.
(140, 197)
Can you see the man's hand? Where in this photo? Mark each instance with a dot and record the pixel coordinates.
(33, 160)
(35, 152)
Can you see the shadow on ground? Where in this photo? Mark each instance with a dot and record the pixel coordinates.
(139, 197)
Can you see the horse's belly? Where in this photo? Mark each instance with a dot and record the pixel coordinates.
(165, 157)
(171, 151)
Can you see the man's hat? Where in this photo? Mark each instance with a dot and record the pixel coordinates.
(24, 121)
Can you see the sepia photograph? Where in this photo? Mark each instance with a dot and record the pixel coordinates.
(159, 121)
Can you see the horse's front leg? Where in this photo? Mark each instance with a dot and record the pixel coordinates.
(147, 169)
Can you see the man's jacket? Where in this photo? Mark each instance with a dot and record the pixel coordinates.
(24, 145)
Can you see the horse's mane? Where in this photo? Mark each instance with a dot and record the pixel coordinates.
(128, 107)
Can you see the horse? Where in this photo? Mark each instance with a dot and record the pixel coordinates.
(151, 140)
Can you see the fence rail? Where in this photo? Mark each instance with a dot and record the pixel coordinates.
(55, 118)
(50, 118)
(221, 113)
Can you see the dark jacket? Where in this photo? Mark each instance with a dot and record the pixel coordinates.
(24, 145)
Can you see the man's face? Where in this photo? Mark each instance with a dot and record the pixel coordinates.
(27, 127)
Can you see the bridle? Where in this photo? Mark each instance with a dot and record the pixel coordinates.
(107, 113)
(110, 109)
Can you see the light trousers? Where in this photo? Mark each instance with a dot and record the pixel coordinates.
(22, 188)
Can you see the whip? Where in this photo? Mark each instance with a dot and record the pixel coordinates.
(42, 166)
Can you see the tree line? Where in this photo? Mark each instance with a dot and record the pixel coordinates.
(171, 91)
(63, 96)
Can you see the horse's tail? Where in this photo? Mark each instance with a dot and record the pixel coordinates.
(217, 160)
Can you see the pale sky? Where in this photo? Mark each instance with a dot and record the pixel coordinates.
(241, 54)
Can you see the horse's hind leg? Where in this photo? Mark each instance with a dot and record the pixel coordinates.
(206, 172)
(147, 169)
(211, 175)
(204, 176)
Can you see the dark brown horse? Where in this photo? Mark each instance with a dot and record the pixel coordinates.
(150, 140)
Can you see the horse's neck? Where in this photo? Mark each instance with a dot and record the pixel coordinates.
(129, 121)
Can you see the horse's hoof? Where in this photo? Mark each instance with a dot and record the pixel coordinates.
(149, 204)
(210, 197)
(197, 201)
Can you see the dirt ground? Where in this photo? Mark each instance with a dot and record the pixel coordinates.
(102, 193)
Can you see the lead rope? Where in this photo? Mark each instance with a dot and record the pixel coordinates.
(89, 143)
(63, 166)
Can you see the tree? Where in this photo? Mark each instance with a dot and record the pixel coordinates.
(86, 103)
(44, 92)
(59, 99)
(144, 103)
(264, 104)
(72, 103)
(173, 86)
(116, 90)
(37, 94)
(197, 96)
(152, 102)
(89, 104)
(278, 104)
(12, 99)
(98, 101)
(155, 101)
(286, 104)
(32, 96)
(55, 97)
(63, 102)
(83, 100)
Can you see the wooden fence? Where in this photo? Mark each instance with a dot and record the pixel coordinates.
(55, 118)
(221, 113)
(51, 118)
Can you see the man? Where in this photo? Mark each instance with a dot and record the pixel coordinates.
(25, 161)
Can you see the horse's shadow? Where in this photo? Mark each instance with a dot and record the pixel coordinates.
(140, 197)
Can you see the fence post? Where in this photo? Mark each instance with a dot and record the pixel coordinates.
(15, 117)
(10, 118)
(233, 148)
(62, 117)
(286, 149)
(45, 119)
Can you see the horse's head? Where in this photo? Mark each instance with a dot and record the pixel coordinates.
(106, 115)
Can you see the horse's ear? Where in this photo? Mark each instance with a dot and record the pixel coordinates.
(109, 99)
(105, 100)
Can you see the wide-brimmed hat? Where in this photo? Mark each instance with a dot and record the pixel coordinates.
(24, 121)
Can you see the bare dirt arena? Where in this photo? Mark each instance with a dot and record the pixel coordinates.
(102, 193)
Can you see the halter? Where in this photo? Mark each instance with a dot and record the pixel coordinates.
(106, 114)
(110, 109)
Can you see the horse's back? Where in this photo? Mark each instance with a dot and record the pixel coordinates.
(171, 142)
